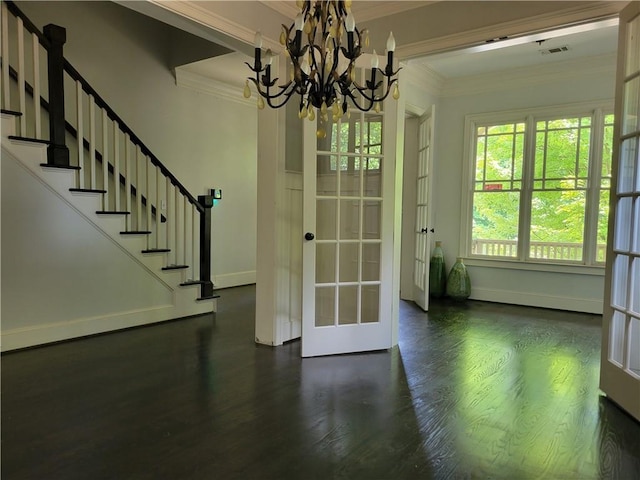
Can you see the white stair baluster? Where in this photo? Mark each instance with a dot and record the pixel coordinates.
(186, 230)
(176, 223)
(105, 160)
(194, 265)
(116, 166)
(92, 142)
(6, 98)
(158, 209)
(36, 84)
(21, 81)
(127, 176)
(169, 218)
(80, 131)
(138, 189)
(147, 163)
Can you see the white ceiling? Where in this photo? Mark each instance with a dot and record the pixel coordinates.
(593, 39)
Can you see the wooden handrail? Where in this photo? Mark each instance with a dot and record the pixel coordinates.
(85, 143)
(73, 73)
(13, 8)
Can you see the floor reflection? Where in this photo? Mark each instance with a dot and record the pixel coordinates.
(473, 390)
(359, 417)
(499, 394)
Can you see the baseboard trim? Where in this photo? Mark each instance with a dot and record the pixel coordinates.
(234, 279)
(48, 333)
(573, 304)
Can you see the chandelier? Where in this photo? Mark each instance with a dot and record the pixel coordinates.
(323, 44)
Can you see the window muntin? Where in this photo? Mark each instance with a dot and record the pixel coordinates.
(536, 182)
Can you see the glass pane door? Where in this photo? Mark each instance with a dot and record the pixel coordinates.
(348, 220)
(423, 212)
(620, 366)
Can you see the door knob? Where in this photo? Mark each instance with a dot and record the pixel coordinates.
(425, 230)
(309, 236)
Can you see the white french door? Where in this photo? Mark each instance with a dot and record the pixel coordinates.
(620, 364)
(348, 249)
(423, 229)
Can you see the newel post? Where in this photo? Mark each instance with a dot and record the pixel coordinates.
(57, 152)
(206, 288)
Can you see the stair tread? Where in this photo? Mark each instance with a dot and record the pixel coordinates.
(157, 250)
(12, 112)
(61, 167)
(43, 142)
(29, 139)
(175, 267)
(108, 212)
(87, 190)
(136, 232)
(208, 298)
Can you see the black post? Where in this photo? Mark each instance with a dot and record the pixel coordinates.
(206, 288)
(57, 152)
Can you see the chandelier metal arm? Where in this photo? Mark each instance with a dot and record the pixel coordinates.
(286, 98)
(285, 90)
(372, 99)
(324, 64)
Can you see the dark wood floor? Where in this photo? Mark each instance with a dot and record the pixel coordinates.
(473, 391)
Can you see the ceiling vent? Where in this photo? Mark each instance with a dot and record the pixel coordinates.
(549, 51)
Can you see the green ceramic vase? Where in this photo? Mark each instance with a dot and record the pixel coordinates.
(437, 272)
(458, 281)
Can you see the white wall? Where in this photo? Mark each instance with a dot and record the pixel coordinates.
(38, 286)
(205, 141)
(556, 290)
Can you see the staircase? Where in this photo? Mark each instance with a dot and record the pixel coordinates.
(59, 135)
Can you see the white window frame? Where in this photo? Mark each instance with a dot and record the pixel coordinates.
(598, 110)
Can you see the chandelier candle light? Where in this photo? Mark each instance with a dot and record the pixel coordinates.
(323, 67)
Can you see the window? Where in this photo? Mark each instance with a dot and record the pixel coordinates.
(496, 198)
(540, 185)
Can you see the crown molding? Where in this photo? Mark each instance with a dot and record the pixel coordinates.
(372, 11)
(530, 76)
(572, 15)
(424, 78)
(411, 110)
(288, 9)
(194, 12)
(210, 86)
(385, 9)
